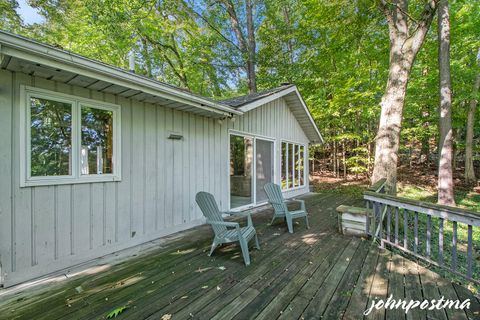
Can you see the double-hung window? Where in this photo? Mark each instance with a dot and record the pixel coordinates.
(293, 165)
(67, 139)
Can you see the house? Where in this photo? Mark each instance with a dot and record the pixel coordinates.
(95, 159)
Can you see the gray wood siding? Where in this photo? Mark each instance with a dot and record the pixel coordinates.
(276, 121)
(48, 228)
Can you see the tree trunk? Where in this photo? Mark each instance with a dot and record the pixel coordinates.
(388, 137)
(247, 47)
(445, 148)
(251, 48)
(404, 47)
(469, 169)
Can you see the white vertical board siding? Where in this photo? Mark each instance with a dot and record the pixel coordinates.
(276, 121)
(48, 228)
(7, 223)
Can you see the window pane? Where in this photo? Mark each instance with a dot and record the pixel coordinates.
(283, 167)
(50, 137)
(290, 165)
(302, 164)
(241, 168)
(297, 165)
(96, 155)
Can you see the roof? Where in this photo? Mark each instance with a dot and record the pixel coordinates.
(238, 102)
(20, 54)
(291, 95)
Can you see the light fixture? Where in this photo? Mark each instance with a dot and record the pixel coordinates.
(173, 136)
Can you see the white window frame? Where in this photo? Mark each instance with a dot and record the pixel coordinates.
(26, 180)
(292, 164)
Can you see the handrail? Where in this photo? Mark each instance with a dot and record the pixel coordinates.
(378, 186)
(394, 208)
(441, 211)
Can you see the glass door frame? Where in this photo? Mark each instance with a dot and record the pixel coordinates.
(254, 138)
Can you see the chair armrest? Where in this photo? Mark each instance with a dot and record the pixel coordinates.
(242, 214)
(230, 213)
(302, 203)
(224, 223)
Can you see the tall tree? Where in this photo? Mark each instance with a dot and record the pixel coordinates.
(445, 146)
(406, 38)
(469, 169)
(246, 43)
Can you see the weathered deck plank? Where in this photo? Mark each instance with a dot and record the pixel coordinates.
(312, 274)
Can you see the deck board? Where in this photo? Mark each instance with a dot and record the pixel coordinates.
(312, 274)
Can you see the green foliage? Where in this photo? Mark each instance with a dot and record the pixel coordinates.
(9, 18)
(336, 52)
(115, 312)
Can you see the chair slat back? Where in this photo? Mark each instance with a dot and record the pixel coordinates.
(275, 197)
(208, 205)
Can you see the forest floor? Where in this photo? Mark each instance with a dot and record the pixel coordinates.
(414, 184)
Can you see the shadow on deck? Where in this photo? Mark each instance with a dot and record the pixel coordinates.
(312, 274)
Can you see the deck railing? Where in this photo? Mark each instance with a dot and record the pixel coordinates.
(441, 235)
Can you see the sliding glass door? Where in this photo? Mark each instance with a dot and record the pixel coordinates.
(241, 169)
(264, 167)
(251, 167)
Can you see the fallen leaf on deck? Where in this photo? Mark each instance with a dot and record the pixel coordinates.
(166, 317)
(115, 312)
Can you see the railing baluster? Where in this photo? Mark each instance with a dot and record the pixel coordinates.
(405, 229)
(469, 252)
(454, 247)
(415, 230)
(440, 241)
(380, 234)
(429, 235)
(389, 222)
(367, 221)
(396, 225)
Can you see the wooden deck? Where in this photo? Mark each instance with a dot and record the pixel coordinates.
(315, 273)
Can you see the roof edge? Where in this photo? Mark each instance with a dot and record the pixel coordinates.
(29, 49)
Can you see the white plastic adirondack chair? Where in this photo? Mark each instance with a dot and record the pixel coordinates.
(275, 198)
(226, 232)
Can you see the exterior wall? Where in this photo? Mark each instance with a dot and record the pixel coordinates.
(274, 120)
(48, 228)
